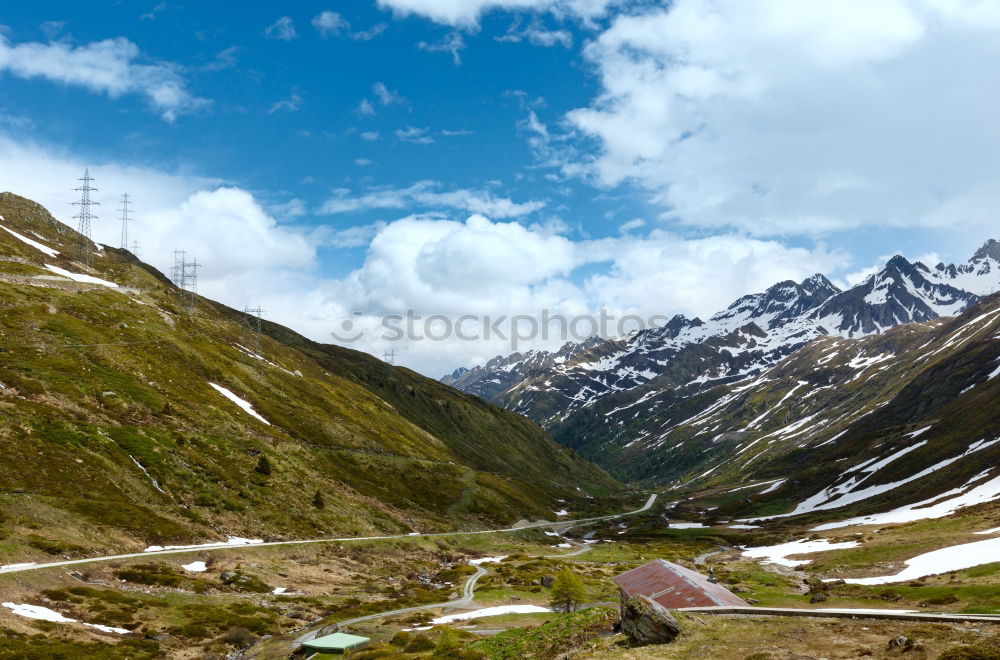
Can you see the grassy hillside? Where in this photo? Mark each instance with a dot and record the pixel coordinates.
(113, 437)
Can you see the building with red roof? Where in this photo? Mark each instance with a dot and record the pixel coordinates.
(675, 587)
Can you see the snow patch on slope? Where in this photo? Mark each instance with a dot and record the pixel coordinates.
(778, 554)
(33, 243)
(242, 403)
(80, 277)
(953, 558)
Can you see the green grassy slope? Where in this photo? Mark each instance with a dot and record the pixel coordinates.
(97, 382)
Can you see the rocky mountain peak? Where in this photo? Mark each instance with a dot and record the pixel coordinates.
(818, 284)
(989, 250)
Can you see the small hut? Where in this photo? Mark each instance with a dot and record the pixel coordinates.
(337, 643)
(675, 587)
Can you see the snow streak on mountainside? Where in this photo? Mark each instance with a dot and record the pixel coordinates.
(886, 428)
(751, 335)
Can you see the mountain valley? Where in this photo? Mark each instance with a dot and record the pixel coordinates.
(178, 484)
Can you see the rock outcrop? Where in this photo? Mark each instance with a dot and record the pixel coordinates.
(648, 622)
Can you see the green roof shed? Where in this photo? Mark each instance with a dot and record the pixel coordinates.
(336, 643)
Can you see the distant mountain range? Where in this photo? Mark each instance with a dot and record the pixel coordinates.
(676, 404)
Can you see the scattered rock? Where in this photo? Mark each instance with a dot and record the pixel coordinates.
(647, 622)
(817, 597)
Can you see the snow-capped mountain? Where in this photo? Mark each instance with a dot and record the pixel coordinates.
(504, 372)
(980, 275)
(888, 427)
(753, 334)
(900, 293)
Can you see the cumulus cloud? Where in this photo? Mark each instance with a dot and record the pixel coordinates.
(329, 23)
(282, 29)
(448, 268)
(111, 66)
(248, 256)
(254, 254)
(790, 117)
(428, 195)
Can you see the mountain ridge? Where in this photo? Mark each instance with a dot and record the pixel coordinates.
(657, 378)
(130, 418)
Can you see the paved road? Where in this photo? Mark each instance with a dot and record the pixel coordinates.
(18, 568)
(468, 590)
(468, 595)
(582, 548)
(700, 559)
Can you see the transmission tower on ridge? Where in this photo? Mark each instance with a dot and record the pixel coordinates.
(184, 275)
(125, 220)
(252, 321)
(135, 250)
(85, 246)
(390, 356)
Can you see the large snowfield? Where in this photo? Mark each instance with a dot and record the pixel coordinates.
(952, 558)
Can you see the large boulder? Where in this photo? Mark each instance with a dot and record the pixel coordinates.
(647, 622)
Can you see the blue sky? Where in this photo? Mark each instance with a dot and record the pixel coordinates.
(325, 158)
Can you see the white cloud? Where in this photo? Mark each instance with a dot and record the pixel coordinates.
(791, 117)
(413, 135)
(351, 237)
(291, 104)
(437, 266)
(283, 29)
(432, 265)
(385, 95)
(330, 23)
(363, 162)
(450, 43)
(151, 14)
(111, 67)
(365, 108)
(248, 256)
(428, 195)
(537, 34)
(370, 33)
(466, 13)
(635, 223)
(224, 59)
(370, 136)
(663, 271)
